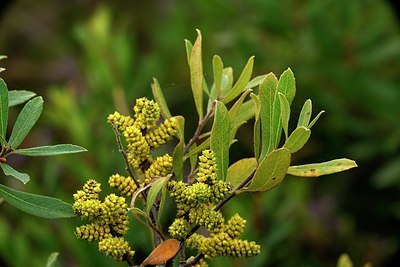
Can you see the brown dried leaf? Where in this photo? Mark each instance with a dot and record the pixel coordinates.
(163, 252)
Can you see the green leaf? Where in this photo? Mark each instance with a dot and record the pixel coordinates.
(233, 115)
(271, 171)
(219, 139)
(8, 170)
(3, 109)
(177, 155)
(315, 119)
(269, 113)
(324, 168)
(240, 170)
(18, 97)
(344, 261)
(227, 80)
(241, 83)
(285, 113)
(37, 205)
(245, 113)
(52, 259)
(305, 114)
(154, 191)
(255, 81)
(196, 75)
(193, 158)
(25, 121)
(218, 68)
(297, 139)
(189, 48)
(257, 125)
(50, 150)
(287, 85)
(159, 97)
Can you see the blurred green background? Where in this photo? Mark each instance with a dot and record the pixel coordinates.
(88, 58)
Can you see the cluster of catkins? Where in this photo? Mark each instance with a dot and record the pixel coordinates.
(195, 206)
(142, 134)
(109, 220)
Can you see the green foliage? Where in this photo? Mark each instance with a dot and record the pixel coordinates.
(211, 183)
(37, 205)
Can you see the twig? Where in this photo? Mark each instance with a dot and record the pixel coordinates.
(199, 128)
(218, 207)
(127, 164)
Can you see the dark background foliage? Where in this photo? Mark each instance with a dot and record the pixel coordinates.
(89, 58)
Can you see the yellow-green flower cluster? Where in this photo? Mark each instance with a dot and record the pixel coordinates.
(226, 242)
(196, 202)
(125, 185)
(160, 168)
(109, 219)
(142, 134)
(201, 263)
(147, 113)
(120, 121)
(116, 247)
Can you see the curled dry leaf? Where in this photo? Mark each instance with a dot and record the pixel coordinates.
(163, 252)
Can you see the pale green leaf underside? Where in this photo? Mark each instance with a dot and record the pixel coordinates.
(16, 97)
(220, 142)
(196, 75)
(37, 205)
(285, 113)
(324, 168)
(8, 170)
(25, 121)
(52, 259)
(241, 83)
(160, 99)
(297, 139)
(218, 68)
(305, 114)
(154, 191)
(240, 170)
(50, 150)
(271, 171)
(177, 156)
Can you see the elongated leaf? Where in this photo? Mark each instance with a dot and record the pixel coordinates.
(193, 158)
(8, 170)
(159, 97)
(196, 75)
(234, 111)
(324, 168)
(52, 259)
(256, 81)
(271, 171)
(189, 48)
(305, 114)
(227, 80)
(246, 112)
(177, 156)
(218, 68)
(163, 252)
(16, 97)
(25, 121)
(241, 83)
(154, 191)
(50, 150)
(3, 109)
(37, 205)
(287, 85)
(297, 139)
(198, 149)
(220, 139)
(257, 125)
(163, 196)
(269, 113)
(315, 119)
(240, 170)
(285, 113)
